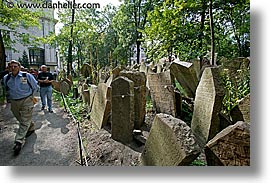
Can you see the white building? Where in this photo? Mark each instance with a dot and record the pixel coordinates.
(37, 54)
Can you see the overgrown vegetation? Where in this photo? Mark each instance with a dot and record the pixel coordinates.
(236, 87)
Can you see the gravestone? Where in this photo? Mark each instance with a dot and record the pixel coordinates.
(115, 72)
(162, 92)
(86, 70)
(143, 67)
(101, 109)
(139, 80)
(70, 80)
(122, 109)
(75, 93)
(230, 147)
(196, 66)
(65, 87)
(170, 143)
(186, 75)
(86, 96)
(241, 112)
(93, 90)
(56, 85)
(207, 106)
(178, 99)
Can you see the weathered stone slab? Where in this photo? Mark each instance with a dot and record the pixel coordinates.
(230, 147)
(70, 80)
(143, 68)
(241, 112)
(56, 85)
(178, 103)
(122, 109)
(162, 92)
(86, 97)
(139, 80)
(86, 70)
(197, 66)
(65, 86)
(101, 108)
(170, 143)
(186, 75)
(207, 106)
(92, 91)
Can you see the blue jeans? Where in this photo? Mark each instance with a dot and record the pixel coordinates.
(46, 93)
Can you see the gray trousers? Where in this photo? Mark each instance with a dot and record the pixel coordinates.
(22, 110)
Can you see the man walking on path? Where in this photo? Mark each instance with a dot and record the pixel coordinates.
(45, 79)
(20, 87)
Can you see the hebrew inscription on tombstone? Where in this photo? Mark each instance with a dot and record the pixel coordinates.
(230, 147)
(122, 109)
(207, 106)
(162, 92)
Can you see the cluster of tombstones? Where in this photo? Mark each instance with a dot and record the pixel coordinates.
(119, 100)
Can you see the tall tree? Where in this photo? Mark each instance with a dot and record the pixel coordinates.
(131, 18)
(10, 20)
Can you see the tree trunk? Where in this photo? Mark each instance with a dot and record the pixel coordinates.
(212, 34)
(70, 54)
(138, 52)
(204, 7)
(2, 53)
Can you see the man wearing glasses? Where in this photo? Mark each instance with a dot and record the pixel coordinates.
(20, 87)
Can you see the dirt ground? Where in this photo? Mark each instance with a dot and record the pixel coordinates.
(54, 142)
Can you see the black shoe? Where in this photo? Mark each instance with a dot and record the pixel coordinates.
(29, 133)
(51, 111)
(17, 148)
(42, 108)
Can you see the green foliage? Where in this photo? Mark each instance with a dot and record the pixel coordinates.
(12, 18)
(236, 87)
(25, 60)
(178, 27)
(149, 104)
(198, 163)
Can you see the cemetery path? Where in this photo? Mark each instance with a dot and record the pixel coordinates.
(54, 142)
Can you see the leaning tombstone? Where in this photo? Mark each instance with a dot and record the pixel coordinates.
(230, 147)
(186, 75)
(56, 85)
(93, 90)
(122, 109)
(241, 112)
(170, 143)
(207, 106)
(101, 108)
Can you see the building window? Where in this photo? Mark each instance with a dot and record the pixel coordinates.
(37, 56)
